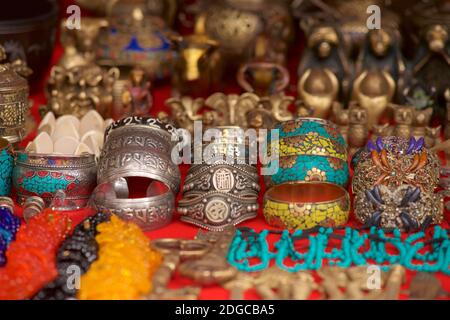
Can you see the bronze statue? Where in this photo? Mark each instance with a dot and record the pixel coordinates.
(358, 130)
(404, 119)
(318, 89)
(421, 120)
(136, 97)
(381, 51)
(325, 51)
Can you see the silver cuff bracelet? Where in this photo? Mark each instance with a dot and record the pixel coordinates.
(234, 179)
(148, 213)
(138, 147)
(216, 210)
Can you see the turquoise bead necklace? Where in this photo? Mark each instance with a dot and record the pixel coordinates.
(357, 248)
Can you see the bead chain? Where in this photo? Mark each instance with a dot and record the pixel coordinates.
(248, 244)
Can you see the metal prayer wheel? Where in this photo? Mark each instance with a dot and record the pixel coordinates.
(13, 104)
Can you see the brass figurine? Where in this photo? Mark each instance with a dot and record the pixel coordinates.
(374, 90)
(404, 119)
(325, 51)
(185, 111)
(382, 130)
(341, 117)
(318, 89)
(432, 136)
(381, 51)
(80, 89)
(358, 129)
(421, 121)
(136, 97)
(349, 15)
(269, 111)
(232, 109)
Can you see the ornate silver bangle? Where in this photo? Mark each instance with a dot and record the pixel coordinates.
(216, 210)
(148, 213)
(147, 122)
(233, 179)
(42, 175)
(140, 150)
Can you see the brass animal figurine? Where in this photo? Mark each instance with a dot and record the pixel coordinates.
(236, 24)
(358, 130)
(382, 130)
(319, 89)
(269, 111)
(421, 121)
(432, 136)
(404, 119)
(341, 117)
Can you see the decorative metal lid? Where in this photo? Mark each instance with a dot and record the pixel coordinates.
(10, 80)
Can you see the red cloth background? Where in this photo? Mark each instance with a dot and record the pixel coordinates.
(178, 229)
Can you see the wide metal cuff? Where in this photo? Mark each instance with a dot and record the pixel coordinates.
(138, 147)
(148, 213)
(42, 175)
(216, 210)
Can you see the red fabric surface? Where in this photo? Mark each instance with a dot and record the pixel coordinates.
(177, 229)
